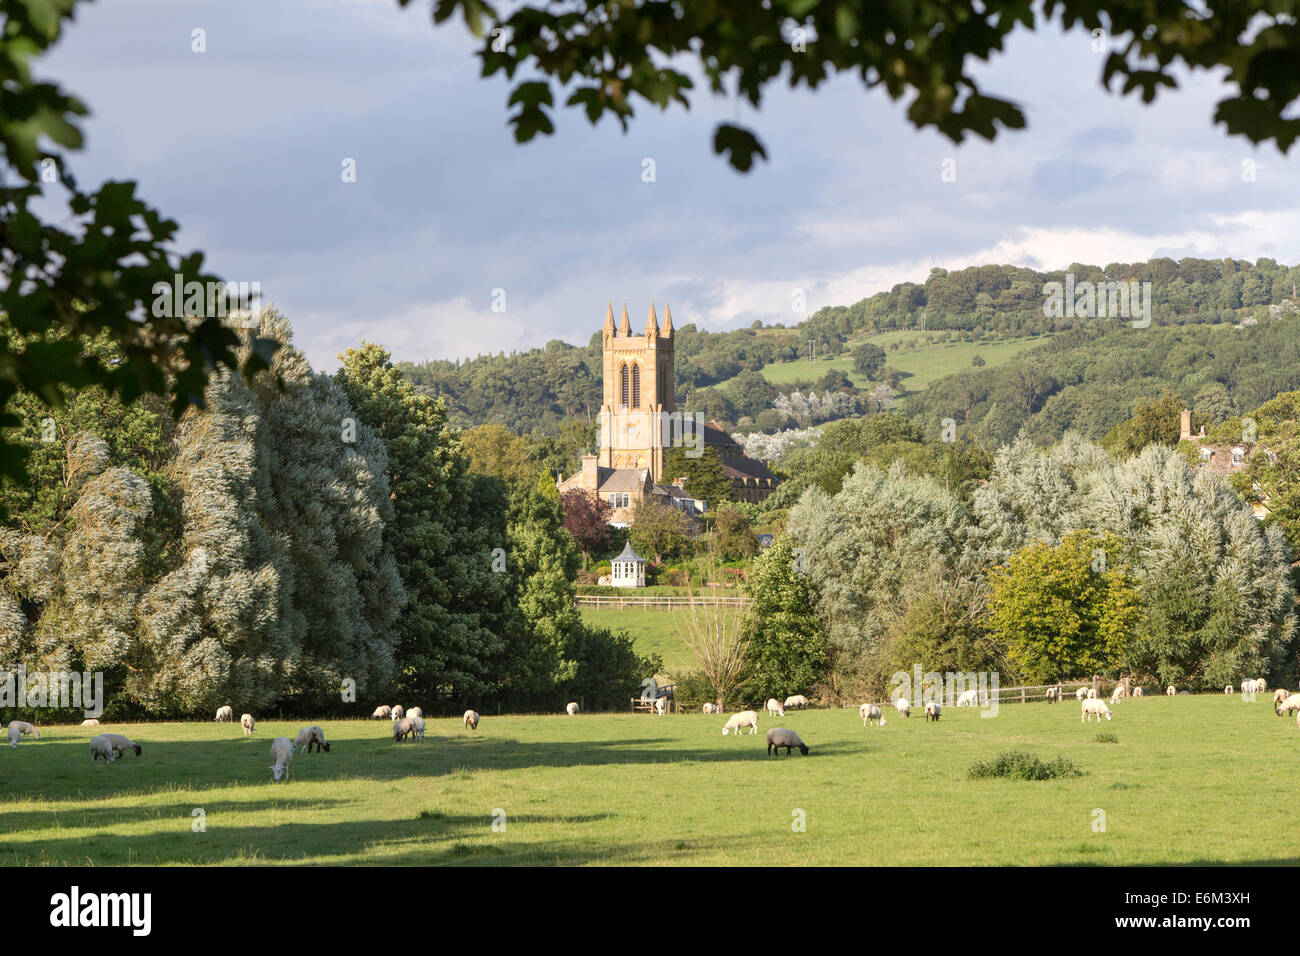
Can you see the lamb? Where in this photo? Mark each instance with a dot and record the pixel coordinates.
(774, 708)
(1081, 693)
(248, 723)
(711, 709)
(101, 749)
(381, 713)
(91, 722)
(20, 728)
(417, 727)
(310, 737)
(224, 714)
(779, 737)
(1227, 689)
(1280, 695)
(122, 744)
(932, 710)
(1093, 706)
(796, 701)
(1119, 694)
(415, 712)
(402, 728)
(968, 698)
(571, 708)
(1171, 690)
(870, 712)
(471, 719)
(746, 718)
(1053, 695)
(1137, 692)
(1092, 693)
(396, 712)
(661, 706)
(281, 754)
(1260, 686)
(903, 707)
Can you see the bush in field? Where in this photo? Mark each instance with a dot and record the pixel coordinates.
(1018, 765)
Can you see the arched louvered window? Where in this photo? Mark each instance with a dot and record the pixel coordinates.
(625, 394)
(636, 386)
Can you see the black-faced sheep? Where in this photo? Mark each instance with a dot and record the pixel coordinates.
(779, 737)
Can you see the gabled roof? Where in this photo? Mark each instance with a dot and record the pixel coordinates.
(621, 479)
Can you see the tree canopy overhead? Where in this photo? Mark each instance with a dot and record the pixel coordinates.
(607, 54)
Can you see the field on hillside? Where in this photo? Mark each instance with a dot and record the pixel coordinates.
(652, 631)
(1188, 781)
(920, 365)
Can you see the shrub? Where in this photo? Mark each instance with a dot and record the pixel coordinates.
(1018, 765)
(1106, 737)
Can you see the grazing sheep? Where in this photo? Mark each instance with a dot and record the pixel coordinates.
(1227, 689)
(402, 728)
(903, 707)
(417, 727)
(774, 708)
(91, 722)
(414, 712)
(21, 728)
(248, 723)
(1291, 704)
(281, 754)
(711, 709)
(1248, 686)
(1137, 692)
(381, 713)
(661, 706)
(932, 710)
(968, 698)
(1093, 706)
(1184, 692)
(471, 719)
(1170, 691)
(1092, 693)
(101, 749)
(798, 701)
(1081, 693)
(308, 738)
(1053, 695)
(571, 708)
(746, 718)
(224, 714)
(396, 712)
(779, 737)
(870, 712)
(1261, 686)
(122, 744)
(1119, 694)
(1280, 695)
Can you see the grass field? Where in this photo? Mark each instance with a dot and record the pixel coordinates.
(652, 631)
(920, 365)
(1192, 779)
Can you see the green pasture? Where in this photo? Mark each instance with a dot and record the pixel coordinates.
(1189, 781)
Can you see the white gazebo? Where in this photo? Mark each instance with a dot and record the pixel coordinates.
(627, 570)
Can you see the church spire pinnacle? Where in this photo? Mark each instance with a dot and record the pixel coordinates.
(609, 317)
(625, 327)
(667, 330)
(652, 322)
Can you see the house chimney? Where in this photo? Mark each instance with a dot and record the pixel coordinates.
(1186, 431)
(680, 482)
(590, 473)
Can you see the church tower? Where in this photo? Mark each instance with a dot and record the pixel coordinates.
(638, 373)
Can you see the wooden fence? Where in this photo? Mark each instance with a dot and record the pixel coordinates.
(655, 600)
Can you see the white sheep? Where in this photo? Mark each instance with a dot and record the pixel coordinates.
(396, 712)
(101, 749)
(711, 709)
(1280, 695)
(414, 712)
(281, 754)
(746, 718)
(571, 708)
(402, 729)
(417, 727)
(1093, 706)
(471, 719)
(774, 708)
(381, 712)
(661, 706)
(1248, 686)
(224, 714)
(1081, 693)
(1227, 689)
(122, 744)
(1137, 691)
(968, 698)
(931, 710)
(90, 722)
(308, 738)
(248, 723)
(1119, 694)
(1171, 691)
(903, 707)
(1261, 686)
(870, 712)
(796, 701)
(1289, 705)
(1092, 693)
(1053, 695)
(21, 728)
(779, 737)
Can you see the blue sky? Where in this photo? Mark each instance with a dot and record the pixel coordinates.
(243, 145)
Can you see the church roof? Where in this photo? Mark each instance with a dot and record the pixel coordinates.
(629, 555)
(621, 479)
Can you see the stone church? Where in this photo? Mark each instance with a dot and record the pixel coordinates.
(639, 420)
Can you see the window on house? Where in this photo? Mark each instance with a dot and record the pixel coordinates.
(619, 500)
